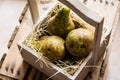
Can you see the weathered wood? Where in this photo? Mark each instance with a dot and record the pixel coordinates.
(108, 49)
(23, 13)
(2, 77)
(13, 36)
(104, 76)
(95, 75)
(13, 63)
(17, 27)
(34, 10)
(2, 59)
(32, 74)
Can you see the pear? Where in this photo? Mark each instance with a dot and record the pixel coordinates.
(51, 47)
(36, 44)
(61, 23)
(79, 42)
(43, 37)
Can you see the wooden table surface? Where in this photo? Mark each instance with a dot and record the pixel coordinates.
(10, 11)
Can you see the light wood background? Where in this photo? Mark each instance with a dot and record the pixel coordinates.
(10, 10)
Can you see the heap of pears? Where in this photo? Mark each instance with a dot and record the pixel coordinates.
(65, 38)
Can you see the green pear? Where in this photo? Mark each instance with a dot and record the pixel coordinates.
(79, 42)
(61, 23)
(51, 47)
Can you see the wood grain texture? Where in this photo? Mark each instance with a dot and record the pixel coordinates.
(13, 36)
(34, 10)
(2, 77)
(10, 11)
(13, 62)
(23, 13)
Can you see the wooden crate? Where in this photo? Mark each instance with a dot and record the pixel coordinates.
(98, 51)
(27, 72)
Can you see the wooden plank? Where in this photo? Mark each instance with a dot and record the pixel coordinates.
(97, 40)
(104, 77)
(34, 10)
(2, 59)
(2, 77)
(38, 76)
(13, 63)
(17, 27)
(104, 69)
(23, 13)
(32, 74)
(95, 74)
(13, 36)
(108, 50)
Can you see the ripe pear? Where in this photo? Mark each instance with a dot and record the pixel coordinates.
(61, 23)
(37, 43)
(52, 47)
(79, 42)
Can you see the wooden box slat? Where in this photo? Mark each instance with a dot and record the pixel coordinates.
(34, 10)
